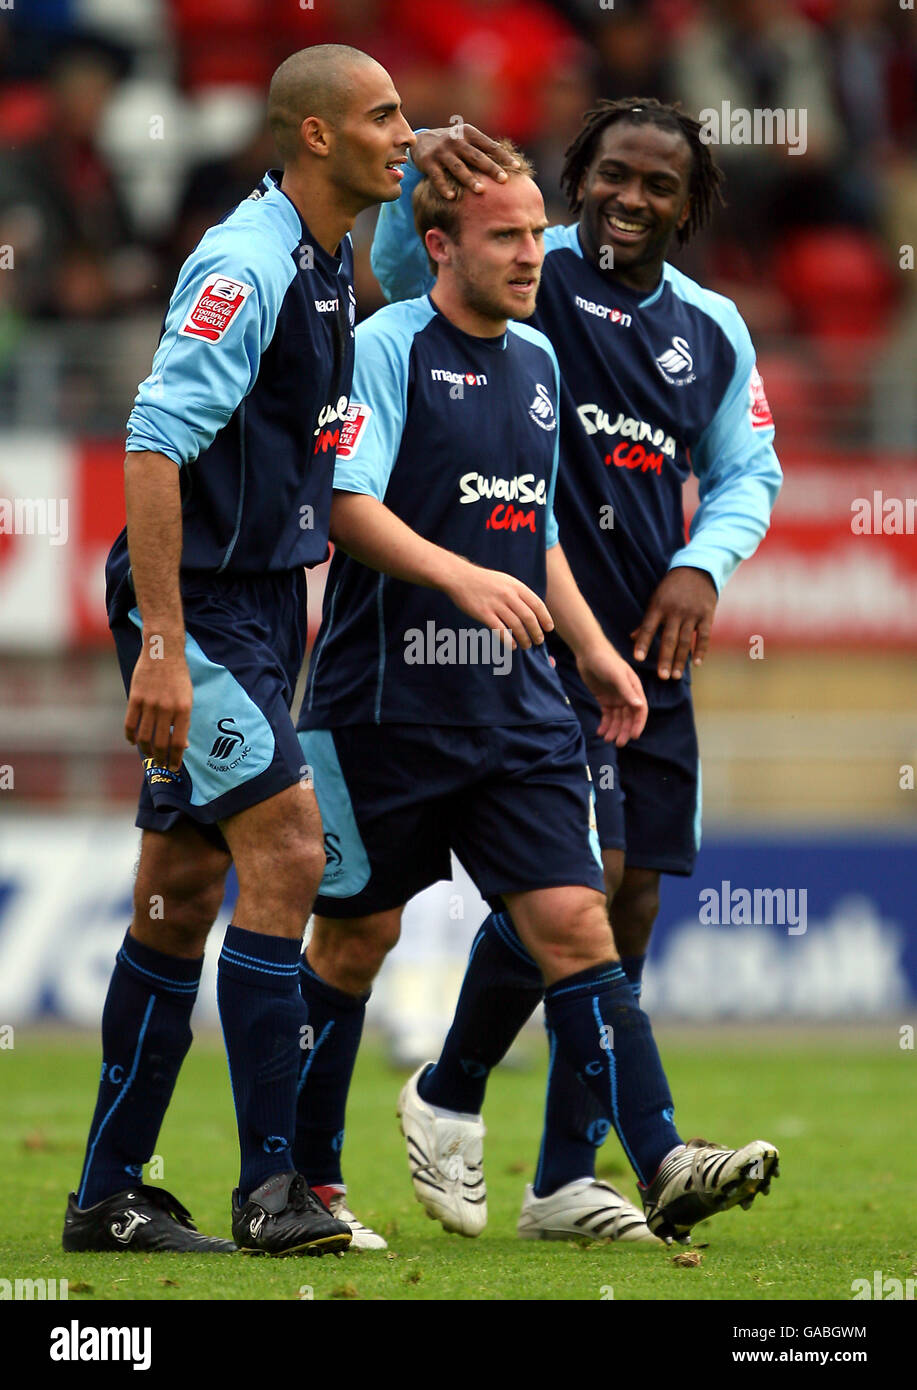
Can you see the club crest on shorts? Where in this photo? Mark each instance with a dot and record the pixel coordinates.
(229, 747)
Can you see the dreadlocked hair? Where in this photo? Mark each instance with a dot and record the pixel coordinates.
(705, 186)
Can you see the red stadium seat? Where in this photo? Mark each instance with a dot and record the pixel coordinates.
(838, 282)
(25, 112)
(224, 43)
(215, 17)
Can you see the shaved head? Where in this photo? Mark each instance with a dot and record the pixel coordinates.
(342, 137)
(316, 81)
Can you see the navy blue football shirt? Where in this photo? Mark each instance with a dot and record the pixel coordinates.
(652, 386)
(458, 436)
(248, 389)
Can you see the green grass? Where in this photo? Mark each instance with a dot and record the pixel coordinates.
(840, 1109)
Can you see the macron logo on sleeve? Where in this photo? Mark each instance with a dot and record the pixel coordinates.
(218, 301)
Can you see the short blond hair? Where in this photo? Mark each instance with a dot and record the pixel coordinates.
(431, 209)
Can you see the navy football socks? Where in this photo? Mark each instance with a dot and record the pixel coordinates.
(146, 1033)
(263, 1018)
(335, 1024)
(574, 1125)
(633, 969)
(501, 989)
(594, 1021)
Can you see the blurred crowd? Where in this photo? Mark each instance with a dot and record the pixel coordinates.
(129, 126)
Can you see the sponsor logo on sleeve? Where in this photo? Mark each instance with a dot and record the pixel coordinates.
(217, 304)
(353, 428)
(758, 409)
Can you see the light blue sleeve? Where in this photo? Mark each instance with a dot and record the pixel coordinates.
(378, 405)
(397, 256)
(737, 470)
(221, 317)
(551, 536)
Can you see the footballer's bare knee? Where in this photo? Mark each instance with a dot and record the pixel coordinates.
(178, 890)
(348, 952)
(278, 852)
(565, 929)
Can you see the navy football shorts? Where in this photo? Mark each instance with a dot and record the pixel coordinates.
(245, 642)
(514, 803)
(648, 793)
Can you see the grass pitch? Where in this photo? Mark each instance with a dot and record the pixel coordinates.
(840, 1107)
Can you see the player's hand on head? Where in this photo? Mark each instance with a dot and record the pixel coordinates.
(462, 152)
(159, 708)
(682, 606)
(619, 693)
(502, 603)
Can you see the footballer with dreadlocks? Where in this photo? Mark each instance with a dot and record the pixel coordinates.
(658, 379)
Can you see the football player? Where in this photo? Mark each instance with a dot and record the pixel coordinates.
(426, 737)
(228, 481)
(658, 379)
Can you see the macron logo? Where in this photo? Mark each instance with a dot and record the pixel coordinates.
(602, 311)
(458, 378)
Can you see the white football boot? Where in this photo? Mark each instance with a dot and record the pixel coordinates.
(363, 1237)
(583, 1210)
(701, 1179)
(445, 1153)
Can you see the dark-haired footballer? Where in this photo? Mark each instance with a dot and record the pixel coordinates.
(658, 379)
(424, 739)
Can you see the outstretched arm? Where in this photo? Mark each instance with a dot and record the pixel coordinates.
(463, 152)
